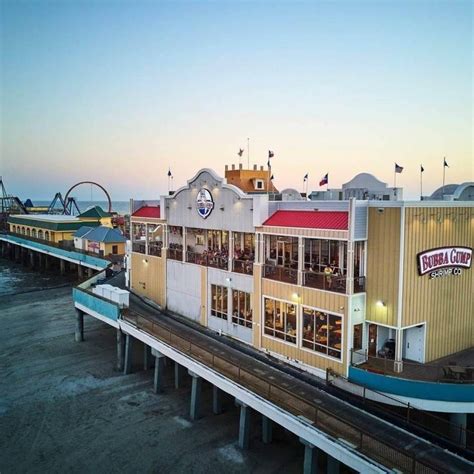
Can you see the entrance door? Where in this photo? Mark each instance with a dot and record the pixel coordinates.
(414, 343)
(373, 340)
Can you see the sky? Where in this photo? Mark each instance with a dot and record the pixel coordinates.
(119, 91)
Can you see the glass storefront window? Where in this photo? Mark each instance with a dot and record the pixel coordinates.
(219, 301)
(321, 332)
(241, 308)
(280, 320)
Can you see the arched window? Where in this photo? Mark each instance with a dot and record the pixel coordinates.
(13, 229)
(28, 231)
(33, 233)
(23, 230)
(46, 235)
(40, 234)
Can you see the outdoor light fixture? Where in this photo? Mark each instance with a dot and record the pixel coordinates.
(228, 280)
(380, 303)
(296, 296)
(145, 260)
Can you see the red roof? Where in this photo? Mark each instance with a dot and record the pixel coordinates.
(148, 211)
(335, 220)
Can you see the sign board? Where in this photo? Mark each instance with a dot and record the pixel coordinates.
(435, 260)
(204, 203)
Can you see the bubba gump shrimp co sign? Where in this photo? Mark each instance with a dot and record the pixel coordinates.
(444, 261)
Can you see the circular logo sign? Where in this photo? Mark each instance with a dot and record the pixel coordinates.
(205, 203)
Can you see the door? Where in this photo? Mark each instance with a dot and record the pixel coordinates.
(414, 343)
(373, 340)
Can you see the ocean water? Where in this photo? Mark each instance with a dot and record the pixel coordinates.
(121, 207)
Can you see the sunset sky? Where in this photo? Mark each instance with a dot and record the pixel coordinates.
(118, 91)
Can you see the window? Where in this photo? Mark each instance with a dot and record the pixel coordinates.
(258, 184)
(46, 235)
(280, 320)
(357, 344)
(241, 308)
(219, 301)
(322, 332)
(115, 249)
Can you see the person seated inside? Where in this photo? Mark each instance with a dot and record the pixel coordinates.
(328, 274)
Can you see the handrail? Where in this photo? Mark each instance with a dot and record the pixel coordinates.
(276, 272)
(319, 417)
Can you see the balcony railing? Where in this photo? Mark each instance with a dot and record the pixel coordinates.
(139, 247)
(274, 272)
(154, 248)
(207, 260)
(321, 281)
(175, 254)
(359, 284)
(242, 266)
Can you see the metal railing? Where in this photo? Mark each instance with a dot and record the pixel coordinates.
(448, 373)
(175, 254)
(425, 420)
(285, 274)
(207, 260)
(242, 266)
(362, 439)
(139, 247)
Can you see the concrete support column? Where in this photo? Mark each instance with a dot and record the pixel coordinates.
(267, 429)
(62, 266)
(17, 253)
(216, 400)
(80, 271)
(195, 396)
(120, 350)
(32, 258)
(147, 357)
(127, 366)
(47, 262)
(457, 431)
(178, 375)
(310, 465)
(333, 465)
(244, 426)
(79, 334)
(159, 371)
(90, 272)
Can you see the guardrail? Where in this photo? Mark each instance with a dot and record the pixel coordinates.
(411, 415)
(450, 372)
(328, 422)
(284, 274)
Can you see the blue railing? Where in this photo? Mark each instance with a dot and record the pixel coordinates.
(95, 303)
(97, 262)
(448, 392)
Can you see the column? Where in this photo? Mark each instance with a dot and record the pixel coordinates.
(120, 349)
(127, 366)
(178, 375)
(333, 465)
(159, 371)
(47, 262)
(310, 465)
(398, 364)
(216, 400)
(80, 271)
(231, 250)
(184, 244)
(244, 425)
(457, 430)
(195, 396)
(267, 429)
(79, 334)
(62, 266)
(90, 272)
(147, 357)
(32, 258)
(300, 260)
(17, 253)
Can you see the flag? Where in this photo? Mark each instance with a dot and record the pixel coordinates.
(446, 163)
(325, 180)
(305, 177)
(169, 173)
(421, 168)
(270, 154)
(398, 168)
(271, 178)
(241, 152)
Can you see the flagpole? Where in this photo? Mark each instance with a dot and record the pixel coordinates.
(444, 174)
(248, 153)
(421, 182)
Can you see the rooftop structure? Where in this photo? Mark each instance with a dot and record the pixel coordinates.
(251, 181)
